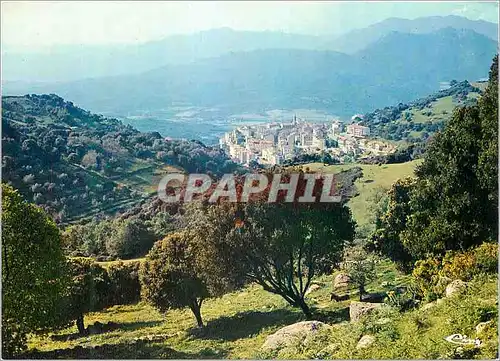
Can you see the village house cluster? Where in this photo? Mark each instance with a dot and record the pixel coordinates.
(273, 143)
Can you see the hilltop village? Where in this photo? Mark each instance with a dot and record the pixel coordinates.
(274, 143)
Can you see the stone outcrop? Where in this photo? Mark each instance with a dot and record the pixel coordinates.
(342, 280)
(456, 287)
(312, 288)
(365, 341)
(292, 333)
(359, 309)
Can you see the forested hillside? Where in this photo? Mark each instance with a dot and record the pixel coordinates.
(259, 279)
(75, 164)
(417, 120)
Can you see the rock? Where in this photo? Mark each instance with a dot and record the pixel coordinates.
(455, 288)
(481, 327)
(428, 306)
(439, 301)
(312, 288)
(359, 309)
(383, 321)
(292, 333)
(365, 341)
(341, 280)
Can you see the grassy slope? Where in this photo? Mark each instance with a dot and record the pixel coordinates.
(374, 178)
(416, 334)
(237, 323)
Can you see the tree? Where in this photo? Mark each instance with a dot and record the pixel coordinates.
(171, 277)
(88, 290)
(390, 222)
(33, 271)
(360, 266)
(452, 204)
(125, 287)
(131, 238)
(281, 246)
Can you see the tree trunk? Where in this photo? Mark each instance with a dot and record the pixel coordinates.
(361, 293)
(304, 307)
(80, 325)
(196, 309)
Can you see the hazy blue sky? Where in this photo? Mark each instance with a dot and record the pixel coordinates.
(40, 24)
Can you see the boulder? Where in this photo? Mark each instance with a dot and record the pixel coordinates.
(359, 309)
(428, 306)
(483, 326)
(312, 288)
(456, 287)
(365, 341)
(292, 333)
(341, 280)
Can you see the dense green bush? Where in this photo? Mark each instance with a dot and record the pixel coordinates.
(171, 278)
(88, 292)
(125, 287)
(33, 271)
(432, 275)
(116, 239)
(453, 202)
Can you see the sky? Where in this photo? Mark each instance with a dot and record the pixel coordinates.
(39, 24)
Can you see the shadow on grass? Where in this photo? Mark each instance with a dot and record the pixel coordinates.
(98, 328)
(331, 316)
(244, 324)
(129, 350)
(131, 326)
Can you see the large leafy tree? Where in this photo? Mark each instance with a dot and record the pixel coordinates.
(33, 271)
(88, 290)
(391, 221)
(452, 204)
(172, 277)
(280, 246)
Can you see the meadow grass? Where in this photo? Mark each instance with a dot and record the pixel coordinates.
(237, 323)
(375, 179)
(416, 334)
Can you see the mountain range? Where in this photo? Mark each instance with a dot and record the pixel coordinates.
(65, 63)
(397, 67)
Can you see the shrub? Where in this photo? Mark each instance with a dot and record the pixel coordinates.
(33, 271)
(432, 275)
(88, 291)
(487, 257)
(426, 275)
(459, 265)
(125, 287)
(465, 265)
(403, 301)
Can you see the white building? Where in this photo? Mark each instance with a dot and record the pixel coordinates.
(357, 130)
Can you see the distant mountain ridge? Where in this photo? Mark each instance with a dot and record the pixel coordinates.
(69, 63)
(358, 39)
(399, 67)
